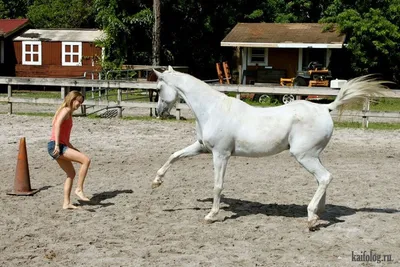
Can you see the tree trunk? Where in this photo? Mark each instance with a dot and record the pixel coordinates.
(156, 33)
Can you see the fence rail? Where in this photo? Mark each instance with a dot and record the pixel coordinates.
(122, 85)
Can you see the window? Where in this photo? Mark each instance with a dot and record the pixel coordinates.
(31, 53)
(71, 53)
(258, 56)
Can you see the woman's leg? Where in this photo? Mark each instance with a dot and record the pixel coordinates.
(76, 156)
(70, 171)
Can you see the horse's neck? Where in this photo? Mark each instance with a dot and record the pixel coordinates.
(201, 98)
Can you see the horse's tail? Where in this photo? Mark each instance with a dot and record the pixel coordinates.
(358, 88)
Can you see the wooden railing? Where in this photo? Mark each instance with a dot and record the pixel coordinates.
(121, 86)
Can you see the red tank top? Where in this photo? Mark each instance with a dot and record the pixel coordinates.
(65, 131)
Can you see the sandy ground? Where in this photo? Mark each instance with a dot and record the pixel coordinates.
(263, 215)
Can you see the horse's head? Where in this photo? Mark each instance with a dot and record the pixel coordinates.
(167, 95)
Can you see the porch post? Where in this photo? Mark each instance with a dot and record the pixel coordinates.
(244, 64)
(328, 57)
(300, 62)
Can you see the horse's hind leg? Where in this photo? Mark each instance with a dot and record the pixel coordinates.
(220, 163)
(192, 150)
(317, 205)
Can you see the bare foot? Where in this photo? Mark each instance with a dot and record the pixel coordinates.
(80, 194)
(69, 207)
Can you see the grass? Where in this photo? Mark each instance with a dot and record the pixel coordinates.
(371, 125)
(386, 104)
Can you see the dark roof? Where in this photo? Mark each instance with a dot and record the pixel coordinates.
(9, 26)
(283, 35)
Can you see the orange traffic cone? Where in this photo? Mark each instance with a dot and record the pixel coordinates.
(22, 184)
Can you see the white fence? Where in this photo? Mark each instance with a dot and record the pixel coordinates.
(121, 86)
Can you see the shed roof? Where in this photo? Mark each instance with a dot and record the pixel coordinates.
(61, 35)
(283, 35)
(9, 26)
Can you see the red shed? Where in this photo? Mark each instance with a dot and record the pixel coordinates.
(58, 53)
(9, 28)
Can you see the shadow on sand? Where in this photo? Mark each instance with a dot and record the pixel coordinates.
(332, 212)
(97, 199)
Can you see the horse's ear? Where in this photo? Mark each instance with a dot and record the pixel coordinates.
(170, 68)
(157, 73)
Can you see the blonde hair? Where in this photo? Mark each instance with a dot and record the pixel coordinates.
(68, 101)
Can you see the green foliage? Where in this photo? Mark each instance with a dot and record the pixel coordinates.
(3, 10)
(301, 11)
(373, 34)
(14, 9)
(61, 13)
(128, 27)
(256, 14)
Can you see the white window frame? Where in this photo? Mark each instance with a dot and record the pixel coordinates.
(24, 53)
(71, 54)
(250, 62)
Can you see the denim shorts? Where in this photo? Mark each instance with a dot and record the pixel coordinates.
(50, 149)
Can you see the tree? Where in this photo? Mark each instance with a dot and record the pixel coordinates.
(14, 9)
(61, 14)
(373, 35)
(156, 33)
(306, 11)
(192, 30)
(129, 31)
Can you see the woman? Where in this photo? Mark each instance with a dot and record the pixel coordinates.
(64, 152)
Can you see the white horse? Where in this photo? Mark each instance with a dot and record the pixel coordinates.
(229, 127)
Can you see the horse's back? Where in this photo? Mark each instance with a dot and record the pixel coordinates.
(267, 131)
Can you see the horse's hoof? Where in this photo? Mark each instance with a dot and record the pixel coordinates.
(155, 184)
(313, 225)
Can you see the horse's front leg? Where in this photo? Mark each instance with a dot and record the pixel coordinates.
(194, 149)
(220, 163)
(151, 100)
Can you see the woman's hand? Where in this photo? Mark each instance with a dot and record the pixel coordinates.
(56, 150)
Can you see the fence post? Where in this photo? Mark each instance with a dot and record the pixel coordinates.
(119, 99)
(366, 106)
(178, 113)
(177, 109)
(9, 94)
(83, 107)
(63, 92)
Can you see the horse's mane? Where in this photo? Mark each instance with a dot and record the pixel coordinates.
(196, 83)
